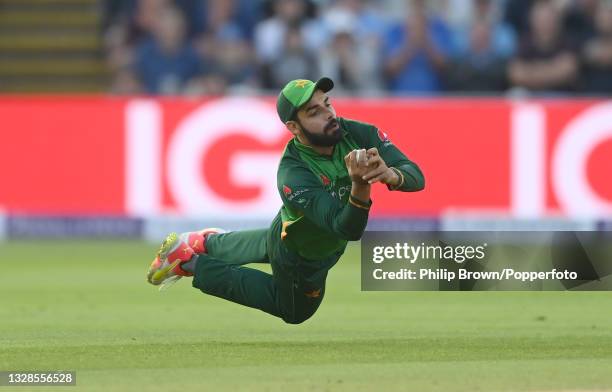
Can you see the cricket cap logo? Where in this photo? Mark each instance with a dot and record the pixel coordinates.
(286, 190)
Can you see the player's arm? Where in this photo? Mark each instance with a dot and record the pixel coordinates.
(303, 193)
(393, 167)
(400, 175)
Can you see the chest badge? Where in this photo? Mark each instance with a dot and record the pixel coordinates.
(326, 181)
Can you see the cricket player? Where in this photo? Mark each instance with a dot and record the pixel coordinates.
(324, 179)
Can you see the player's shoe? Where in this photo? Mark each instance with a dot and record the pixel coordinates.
(197, 239)
(176, 250)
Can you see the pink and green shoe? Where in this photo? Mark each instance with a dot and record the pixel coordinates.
(174, 252)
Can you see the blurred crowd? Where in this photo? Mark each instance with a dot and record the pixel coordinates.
(368, 47)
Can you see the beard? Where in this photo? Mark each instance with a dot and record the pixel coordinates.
(323, 139)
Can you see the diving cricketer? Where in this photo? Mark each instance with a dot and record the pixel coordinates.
(324, 180)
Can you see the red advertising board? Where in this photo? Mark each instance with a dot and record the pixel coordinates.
(218, 157)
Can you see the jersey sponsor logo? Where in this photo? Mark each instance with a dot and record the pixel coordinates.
(286, 190)
(326, 181)
(343, 191)
(292, 195)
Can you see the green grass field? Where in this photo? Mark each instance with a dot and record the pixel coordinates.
(85, 306)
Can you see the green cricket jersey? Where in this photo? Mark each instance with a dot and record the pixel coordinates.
(319, 216)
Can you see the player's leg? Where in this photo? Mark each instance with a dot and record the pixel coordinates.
(177, 256)
(239, 247)
(242, 285)
(286, 293)
(306, 301)
(283, 294)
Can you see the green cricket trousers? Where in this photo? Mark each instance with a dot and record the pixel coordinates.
(292, 292)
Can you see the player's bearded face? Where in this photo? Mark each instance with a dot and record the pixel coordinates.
(318, 123)
(329, 136)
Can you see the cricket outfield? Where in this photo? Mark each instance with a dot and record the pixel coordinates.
(86, 306)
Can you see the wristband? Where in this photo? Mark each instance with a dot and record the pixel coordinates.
(401, 177)
(359, 203)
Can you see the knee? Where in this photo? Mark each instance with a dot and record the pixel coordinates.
(297, 319)
(298, 316)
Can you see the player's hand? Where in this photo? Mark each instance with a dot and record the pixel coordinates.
(357, 165)
(378, 170)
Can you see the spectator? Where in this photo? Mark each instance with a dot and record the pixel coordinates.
(346, 63)
(416, 52)
(352, 55)
(223, 46)
(457, 13)
(113, 11)
(220, 23)
(579, 20)
(295, 62)
(139, 15)
(480, 68)
(271, 34)
(145, 15)
(125, 82)
(516, 14)
(546, 61)
(194, 12)
(165, 63)
(501, 36)
(248, 13)
(127, 23)
(597, 53)
(369, 25)
(245, 13)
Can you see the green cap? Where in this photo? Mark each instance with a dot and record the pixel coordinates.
(296, 93)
